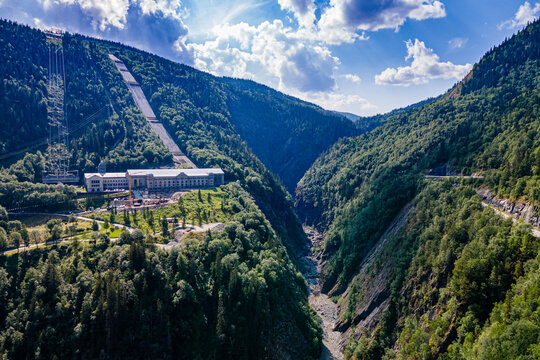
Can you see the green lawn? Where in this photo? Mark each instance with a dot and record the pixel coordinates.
(210, 207)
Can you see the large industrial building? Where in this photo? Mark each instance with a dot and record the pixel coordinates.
(153, 180)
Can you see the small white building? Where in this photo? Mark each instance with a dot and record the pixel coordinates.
(154, 179)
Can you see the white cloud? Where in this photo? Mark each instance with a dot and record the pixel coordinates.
(339, 102)
(166, 8)
(424, 67)
(303, 10)
(352, 78)
(287, 60)
(153, 25)
(103, 13)
(344, 18)
(525, 14)
(457, 43)
(108, 14)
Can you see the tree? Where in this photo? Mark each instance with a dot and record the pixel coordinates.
(181, 207)
(24, 235)
(95, 237)
(55, 233)
(36, 237)
(165, 227)
(209, 197)
(175, 224)
(106, 223)
(72, 230)
(51, 223)
(95, 226)
(3, 239)
(200, 196)
(127, 219)
(15, 239)
(3, 214)
(198, 211)
(150, 220)
(125, 237)
(14, 225)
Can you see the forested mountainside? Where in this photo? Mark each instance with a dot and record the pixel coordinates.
(118, 133)
(201, 112)
(225, 295)
(106, 124)
(440, 290)
(457, 282)
(285, 133)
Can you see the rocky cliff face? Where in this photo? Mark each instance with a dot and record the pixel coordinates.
(362, 304)
(520, 210)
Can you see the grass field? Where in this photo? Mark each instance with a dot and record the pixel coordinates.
(211, 206)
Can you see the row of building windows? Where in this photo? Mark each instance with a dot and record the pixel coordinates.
(163, 183)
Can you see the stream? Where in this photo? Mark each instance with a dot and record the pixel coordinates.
(326, 309)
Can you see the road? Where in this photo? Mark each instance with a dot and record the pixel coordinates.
(534, 231)
(179, 235)
(100, 222)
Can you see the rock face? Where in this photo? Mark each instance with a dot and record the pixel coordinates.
(520, 210)
(372, 283)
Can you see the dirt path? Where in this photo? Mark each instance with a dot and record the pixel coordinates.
(325, 308)
(181, 233)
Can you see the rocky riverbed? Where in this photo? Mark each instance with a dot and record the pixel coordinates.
(326, 309)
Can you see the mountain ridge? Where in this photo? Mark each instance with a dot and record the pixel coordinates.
(438, 280)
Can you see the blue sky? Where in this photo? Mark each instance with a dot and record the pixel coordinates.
(359, 56)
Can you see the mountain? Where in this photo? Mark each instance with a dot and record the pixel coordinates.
(232, 294)
(436, 286)
(98, 103)
(206, 116)
(216, 121)
(348, 115)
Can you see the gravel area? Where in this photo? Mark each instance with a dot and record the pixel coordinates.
(326, 309)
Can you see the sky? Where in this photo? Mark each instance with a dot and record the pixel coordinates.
(359, 56)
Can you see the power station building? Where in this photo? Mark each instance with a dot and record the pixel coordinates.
(153, 180)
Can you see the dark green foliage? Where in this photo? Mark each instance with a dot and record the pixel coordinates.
(229, 295)
(285, 133)
(452, 263)
(23, 66)
(16, 194)
(355, 189)
(101, 114)
(207, 116)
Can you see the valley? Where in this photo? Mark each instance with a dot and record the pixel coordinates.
(324, 238)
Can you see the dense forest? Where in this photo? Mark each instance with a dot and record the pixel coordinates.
(265, 118)
(452, 274)
(201, 112)
(227, 295)
(458, 272)
(356, 188)
(105, 124)
(456, 281)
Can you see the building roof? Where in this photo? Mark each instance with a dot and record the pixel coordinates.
(174, 172)
(157, 172)
(106, 175)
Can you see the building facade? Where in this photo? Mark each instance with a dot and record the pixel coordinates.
(154, 180)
